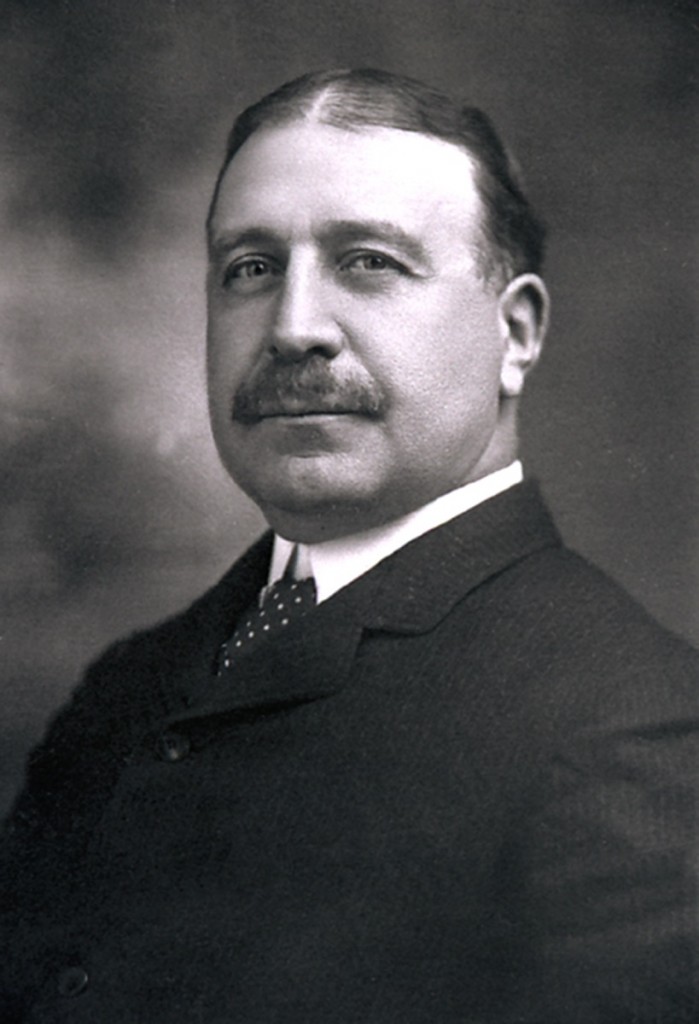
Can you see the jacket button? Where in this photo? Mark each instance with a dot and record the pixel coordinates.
(173, 746)
(72, 981)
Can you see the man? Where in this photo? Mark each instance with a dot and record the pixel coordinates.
(410, 760)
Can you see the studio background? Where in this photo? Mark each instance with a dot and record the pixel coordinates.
(114, 509)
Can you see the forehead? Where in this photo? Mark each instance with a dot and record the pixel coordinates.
(293, 175)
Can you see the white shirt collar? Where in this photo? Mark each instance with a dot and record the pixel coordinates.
(335, 563)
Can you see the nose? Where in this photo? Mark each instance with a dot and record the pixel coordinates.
(303, 318)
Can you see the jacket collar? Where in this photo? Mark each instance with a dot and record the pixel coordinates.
(409, 592)
(415, 588)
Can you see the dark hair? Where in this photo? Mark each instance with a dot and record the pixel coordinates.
(352, 99)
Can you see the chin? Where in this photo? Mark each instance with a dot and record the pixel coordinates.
(319, 500)
(312, 510)
(300, 483)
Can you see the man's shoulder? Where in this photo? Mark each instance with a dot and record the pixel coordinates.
(570, 593)
(525, 610)
(540, 578)
(582, 649)
(507, 557)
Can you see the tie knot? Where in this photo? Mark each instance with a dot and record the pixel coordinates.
(287, 593)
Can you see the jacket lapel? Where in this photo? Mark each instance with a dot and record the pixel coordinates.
(421, 583)
(409, 592)
(310, 660)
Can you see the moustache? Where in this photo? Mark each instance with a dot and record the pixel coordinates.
(304, 389)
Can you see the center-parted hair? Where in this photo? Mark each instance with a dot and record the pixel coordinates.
(513, 235)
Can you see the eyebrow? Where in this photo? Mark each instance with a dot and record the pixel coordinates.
(332, 233)
(382, 230)
(227, 241)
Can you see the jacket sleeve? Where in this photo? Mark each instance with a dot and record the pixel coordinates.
(612, 862)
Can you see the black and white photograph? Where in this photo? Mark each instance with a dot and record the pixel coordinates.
(349, 516)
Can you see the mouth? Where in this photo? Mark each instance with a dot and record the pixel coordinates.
(296, 409)
(305, 413)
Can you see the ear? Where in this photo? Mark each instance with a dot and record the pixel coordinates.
(523, 316)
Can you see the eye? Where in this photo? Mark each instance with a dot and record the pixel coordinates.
(369, 262)
(250, 274)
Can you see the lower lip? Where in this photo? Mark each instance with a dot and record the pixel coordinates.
(306, 436)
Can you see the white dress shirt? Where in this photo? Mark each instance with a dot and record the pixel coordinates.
(335, 563)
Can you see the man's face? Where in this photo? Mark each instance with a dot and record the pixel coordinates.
(354, 350)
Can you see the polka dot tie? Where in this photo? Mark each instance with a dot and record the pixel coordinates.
(286, 601)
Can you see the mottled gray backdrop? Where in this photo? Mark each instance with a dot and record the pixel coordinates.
(113, 113)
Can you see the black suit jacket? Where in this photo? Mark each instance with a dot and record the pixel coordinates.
(463, 790)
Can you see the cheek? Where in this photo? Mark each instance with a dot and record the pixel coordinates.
(215, 371)
(234, 331)
(467, 353)
(227, 356)
(429, 363)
